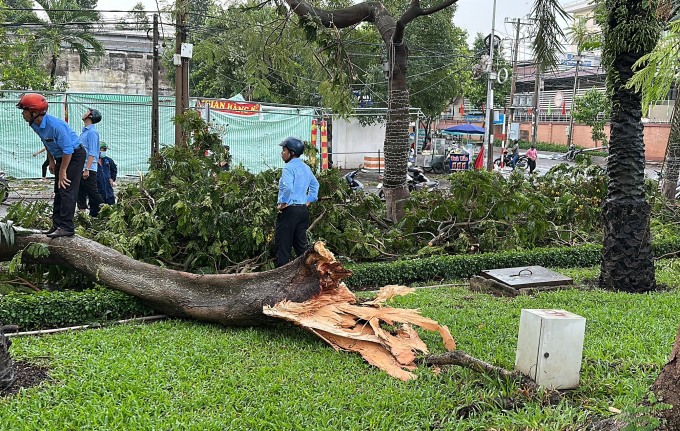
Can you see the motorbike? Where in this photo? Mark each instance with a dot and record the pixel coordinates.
(415, 179)
(4, 187)
(522, 162)
(354, 184)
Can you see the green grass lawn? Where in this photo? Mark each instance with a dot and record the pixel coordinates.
(180, 375)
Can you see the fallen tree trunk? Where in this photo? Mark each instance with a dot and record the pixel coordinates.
(228, 299)
(308, 291)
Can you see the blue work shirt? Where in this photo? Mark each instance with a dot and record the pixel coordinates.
(57, 136)
(297, 185)
(90, 140)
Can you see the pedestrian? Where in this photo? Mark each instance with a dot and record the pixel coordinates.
(66, 158)
(532, 156)
(515, 154)
(297, 189)
(88, 182)
(45, 164)
(106, 176)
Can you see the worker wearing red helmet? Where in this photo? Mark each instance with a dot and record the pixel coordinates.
(66, 160)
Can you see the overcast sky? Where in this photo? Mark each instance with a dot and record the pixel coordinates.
(472, 15)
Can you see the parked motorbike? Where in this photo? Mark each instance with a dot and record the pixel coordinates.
(4, 187)
(415, 179)
(522, 162)
(353, 183)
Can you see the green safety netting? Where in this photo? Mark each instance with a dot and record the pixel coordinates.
(126, 128)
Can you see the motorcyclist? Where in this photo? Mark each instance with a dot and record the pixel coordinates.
(514, 152)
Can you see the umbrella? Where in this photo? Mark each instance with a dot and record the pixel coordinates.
(464, 129)
(468, 129)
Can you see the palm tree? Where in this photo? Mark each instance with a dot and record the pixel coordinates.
(655, 80)
(392, 31)
(630, 31)
(68, 27)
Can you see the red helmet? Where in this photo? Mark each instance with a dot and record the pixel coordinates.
(34, 102)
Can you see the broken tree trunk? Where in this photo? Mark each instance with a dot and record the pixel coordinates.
(228, 299)
(308, 291)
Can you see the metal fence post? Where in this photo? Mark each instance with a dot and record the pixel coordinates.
(379, 162)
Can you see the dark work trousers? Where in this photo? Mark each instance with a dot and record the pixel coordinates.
(45, 165)
(65, 199)
(89, 189)
(291, 231)
(532, 165)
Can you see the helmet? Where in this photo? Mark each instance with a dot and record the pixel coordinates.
(294, 144)
(34, 102)
(95, 115)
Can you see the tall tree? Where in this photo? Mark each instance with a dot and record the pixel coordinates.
(18, 68)
(593, 109)
(657, 75)
(136, 19)
(630, 30)
(67, 26)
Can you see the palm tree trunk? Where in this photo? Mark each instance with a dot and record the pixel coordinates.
(671, 162)
(627, 259)
(396, 136)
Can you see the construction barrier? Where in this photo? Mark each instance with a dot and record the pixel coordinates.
(373, 163)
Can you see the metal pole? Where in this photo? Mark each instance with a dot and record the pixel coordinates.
(570, 137)
(154, 88)
(488, 135)
(182, 65)
(513, 86)
(537, 83)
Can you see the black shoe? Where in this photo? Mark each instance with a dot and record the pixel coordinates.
(52, 229)
(60, 232)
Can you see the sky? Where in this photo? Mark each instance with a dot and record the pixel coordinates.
(475, 16)
(472, 15)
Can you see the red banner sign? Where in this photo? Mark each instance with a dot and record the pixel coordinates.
(230, 107)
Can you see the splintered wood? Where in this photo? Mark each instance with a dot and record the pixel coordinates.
(335, 317)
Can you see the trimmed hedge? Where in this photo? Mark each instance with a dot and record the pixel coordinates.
(67, 308)
(464, 266)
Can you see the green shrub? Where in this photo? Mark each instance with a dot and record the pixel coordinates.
(464, 266)
(50, 309)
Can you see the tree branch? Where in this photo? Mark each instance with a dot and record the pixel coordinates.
(414, 11)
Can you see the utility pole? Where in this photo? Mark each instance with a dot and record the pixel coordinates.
(513, 81)
(182, 69)
(570, 137)
(491, 77)
(537, 83)
(154, 89)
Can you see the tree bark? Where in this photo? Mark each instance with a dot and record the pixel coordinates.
(627, 259)
(7, 372)
(392, 32)
(307, 291)
(667, 388)
(233, 299)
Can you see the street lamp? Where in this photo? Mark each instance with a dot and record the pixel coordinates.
(488, 136)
